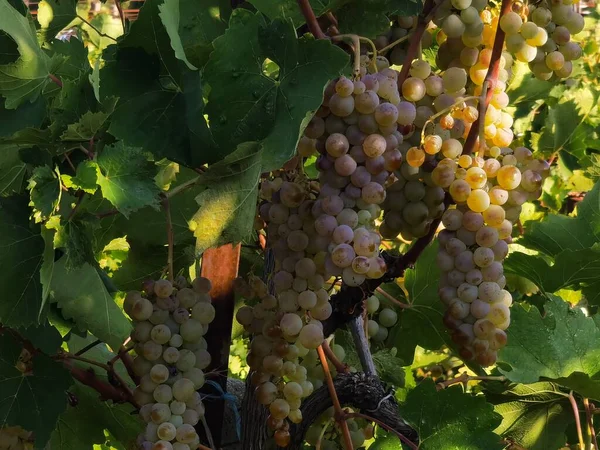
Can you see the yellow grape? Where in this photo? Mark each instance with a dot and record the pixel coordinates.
(476, 177)
(478, 200)
(415, 157)
(460, 191)
(432, 144)
(494, 215)
(509, 177)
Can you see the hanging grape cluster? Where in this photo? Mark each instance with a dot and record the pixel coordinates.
(169, 325)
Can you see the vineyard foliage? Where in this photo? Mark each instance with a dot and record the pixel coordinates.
(187, 109)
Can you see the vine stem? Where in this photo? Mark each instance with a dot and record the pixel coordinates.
(396, 42)
(182, 187)
(311, 19)
(577, 420)
(339, 413)
(55, 79)
(322, 434)
(491, 77)
(88, 347)
(100, 33)
(356, 47)
(590, 422)
(170, 239)
(121, 15)
(402, 438)
(444, 111)
(464, 378)
(361, 344)
(393, 299)
(339, 366)
(414, 47)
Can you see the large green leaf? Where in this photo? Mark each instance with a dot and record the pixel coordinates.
(82, 426)
(246, 105)
(558, 233)
(561, 346)
(31, 400)
(450, 419)
(421, 324)
(164, 119)
(370, 18)
(579, 269)
(21, 250)
(30, 114)
(564, 123)
(535, 416)
(44, 187)
(44, 337)
(289, 9)
(126, 178)
(228, 203)
(24, 79)
(12, 170)
(82, 296)
(169, 15)
(201, 22)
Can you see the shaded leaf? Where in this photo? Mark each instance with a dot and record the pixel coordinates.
(86, 177)
(82, 296)
(53, 16)
(12, 170)
(245, 105)
(44, 337)
(33, 400)
(21, 250)
(169, 15)
(44, 188)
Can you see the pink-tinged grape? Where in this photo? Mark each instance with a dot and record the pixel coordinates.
(460, 191)
(500, 250)
(505, 229)
(483, 256)
(343, 255)
(413, 89)
(493, 272)
(486, 236)
(373, 193)
(454, 247)
(386, 114)
(407, 113)
(464, 261)
(321, 311)
(367, 102)
(467, 292)
(480, 309)
(474, 277)
(377, 268)
(452, 219)
(458, 309)
(489, 291)
(472, 221)
(444, 261)
(478, 200)
(484, 329)
(361, 264)
(344, 87)
(555, 60)
(454, 79)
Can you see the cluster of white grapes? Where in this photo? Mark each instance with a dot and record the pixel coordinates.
(330, 435)
(169, 325)
(393, 44)
(380, 320)
(488, 196)
(16, 438)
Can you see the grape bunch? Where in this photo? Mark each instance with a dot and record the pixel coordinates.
(488, 198)
(169, 325)
(16, 438)
(400, 29)
(330, 434)
(544, 39)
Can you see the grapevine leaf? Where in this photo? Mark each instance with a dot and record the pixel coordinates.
(228, 203)
(558, 233)
(12, 170)
(21, 250)
(564, 120)
(44, 187)
(579, 269)
(245, 105)
(289, 9)
(30, 114)
(169, 15)
(76, 239)
(126, 178)
(31, 400)
(44, 337)
(86, 177)
(387, 367)
(24, 79)
(370, 18)
(87, 126)
(74, 62)
(100, 353)
(432, 414)
(81, 295)
(535, 416)
(53, 16)
(559, 346)
(107, 24)
(421, 324)
(165, 120)
(201, 22)
(82, 426)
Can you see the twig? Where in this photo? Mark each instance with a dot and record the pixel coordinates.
(331, 18)
(65, 355)
(339, 413)
(415, 43)
(121, 15)
(89, 378)
(356, 47)
(490, 78)
(170, 239)
(402, 438)
(322, 434)
(396, 42)
(393, 299)
(464, 378)
(311, 19)
(100, 33)
(80, 195)
(88, 347)
(361, 344)
(112, 212)
(128, 363)
(577, 419)
(444, 111)
(55, 79)
(482, 112)
(203, 447)
(339, 365)
(70, 162)
(590, 422)
(182, 187)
